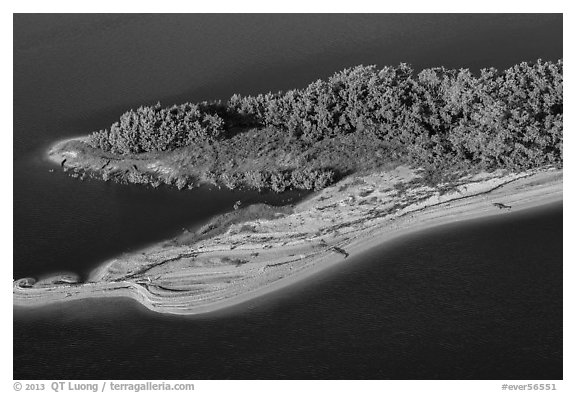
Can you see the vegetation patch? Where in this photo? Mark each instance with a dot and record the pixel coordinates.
(358, 120)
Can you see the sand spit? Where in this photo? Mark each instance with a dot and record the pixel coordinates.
(74, 155)
(256, 257)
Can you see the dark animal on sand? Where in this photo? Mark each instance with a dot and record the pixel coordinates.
(502, 206)
(341, 251)
(63, 161)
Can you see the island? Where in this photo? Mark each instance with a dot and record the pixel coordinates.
(384, 152)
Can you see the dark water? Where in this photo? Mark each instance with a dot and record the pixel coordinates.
(78, 73)
(466, 301)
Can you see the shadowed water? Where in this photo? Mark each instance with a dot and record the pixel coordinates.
(474, 300)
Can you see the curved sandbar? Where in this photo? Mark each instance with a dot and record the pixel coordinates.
(192, 274)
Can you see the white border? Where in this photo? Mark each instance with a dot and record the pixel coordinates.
(230, 6)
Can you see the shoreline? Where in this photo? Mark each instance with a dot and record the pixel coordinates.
(74, 155)
(362, 250)
(51, 154)
(255, 258)
(357, 250)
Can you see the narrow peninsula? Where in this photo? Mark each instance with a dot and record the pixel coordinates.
(385, 152)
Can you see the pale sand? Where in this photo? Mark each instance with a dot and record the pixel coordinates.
(55, 152)
(353, 215)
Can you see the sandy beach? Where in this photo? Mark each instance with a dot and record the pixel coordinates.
(190, 276)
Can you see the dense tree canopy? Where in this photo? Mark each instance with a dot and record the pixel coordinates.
(510, 119)
(156, 128)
